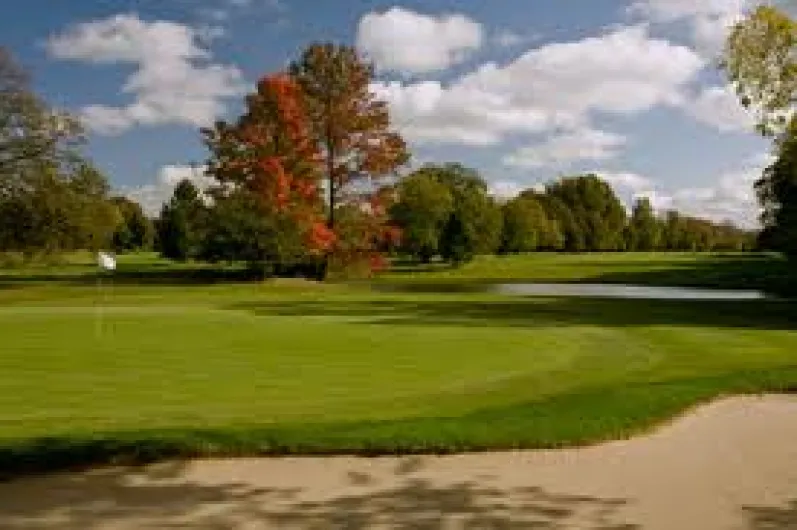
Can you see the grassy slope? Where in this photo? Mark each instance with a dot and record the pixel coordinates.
(198, 370)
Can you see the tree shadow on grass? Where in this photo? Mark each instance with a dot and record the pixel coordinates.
(723, 271)
(164, 497)
(768, 273)
(545, 312)
(146, 275)
(767, 518)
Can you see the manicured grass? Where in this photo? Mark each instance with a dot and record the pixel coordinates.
(172, 367)
(734, 271)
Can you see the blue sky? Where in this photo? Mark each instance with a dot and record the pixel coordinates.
(522, 90)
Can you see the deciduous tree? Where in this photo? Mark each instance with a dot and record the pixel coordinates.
(526, 226)
(136, 230)
(596, 211)
(268, 163)
(424, 205)
(474, 226)
(181, 223)
(777, 191)
(348, 124)
(644, 229)
(761, 60)
(51, 198)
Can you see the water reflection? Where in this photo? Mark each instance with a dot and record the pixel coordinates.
(584, 290)
(623, 291)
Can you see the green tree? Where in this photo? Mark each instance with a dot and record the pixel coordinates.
(51, 198)
(777, 191)
(596, 210)
(474, 226)
(672, 234)
(644, 230)
(32, 135)
(761, 60)
(421, 211)
(526, 226)
(136, 230)
(181, 223)
(240, 227)
(92, 217)
(570, 232)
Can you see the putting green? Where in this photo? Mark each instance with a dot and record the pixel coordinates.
(220, 369)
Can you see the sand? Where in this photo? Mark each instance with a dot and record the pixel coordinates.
(728, 465)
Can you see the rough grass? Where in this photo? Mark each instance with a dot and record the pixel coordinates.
(156, 366)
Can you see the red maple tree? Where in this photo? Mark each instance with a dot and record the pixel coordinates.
(293, 137)
(268, 152)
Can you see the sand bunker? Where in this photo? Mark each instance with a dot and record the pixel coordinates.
(728, 465)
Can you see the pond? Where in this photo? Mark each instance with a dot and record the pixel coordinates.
(584, 290)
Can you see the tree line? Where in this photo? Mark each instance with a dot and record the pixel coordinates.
(309, 179)
(446, 212)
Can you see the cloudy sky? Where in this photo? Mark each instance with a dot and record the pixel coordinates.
(523, 90)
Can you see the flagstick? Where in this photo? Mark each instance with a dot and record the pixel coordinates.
(98, 312)
(106, 263)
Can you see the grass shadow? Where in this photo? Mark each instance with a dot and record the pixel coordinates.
(167, 497)
(754, 271)
(723, 271)
(545, 312)
(768, 518)
(141, 275)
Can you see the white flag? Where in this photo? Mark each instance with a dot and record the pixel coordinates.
(106, 261)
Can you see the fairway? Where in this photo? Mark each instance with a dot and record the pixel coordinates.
(282, 367)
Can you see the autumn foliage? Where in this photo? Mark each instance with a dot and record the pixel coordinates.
(293, 154)
(268, 153)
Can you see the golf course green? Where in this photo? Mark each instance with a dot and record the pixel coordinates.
(164, 361)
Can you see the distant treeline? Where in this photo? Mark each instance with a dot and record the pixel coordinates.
(445, 211)
(284, 198)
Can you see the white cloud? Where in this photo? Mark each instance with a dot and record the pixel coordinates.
(505, 189)
(174, 81)
(431, 112)
(626, 181)
(152, 196)
(223, 10)
(401, 40)
(732, 197)
(672, 10)
(629, 186)
(660, 201)
(709, 20)
(562, 149)
(556, 86)
(720, 107)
